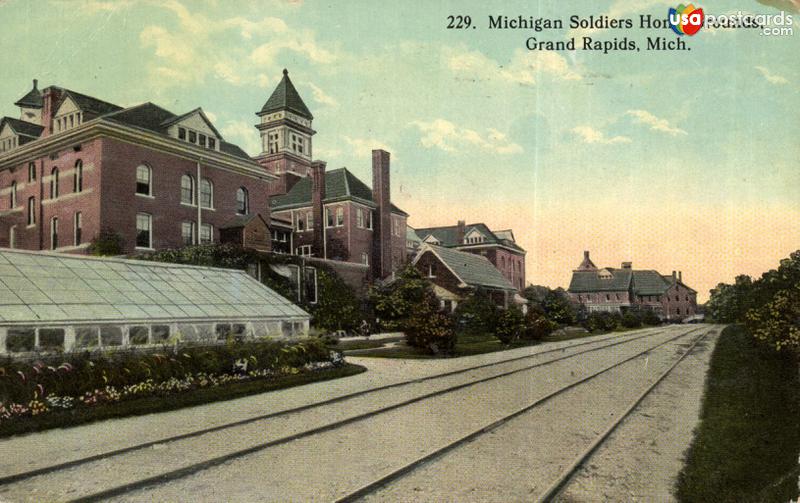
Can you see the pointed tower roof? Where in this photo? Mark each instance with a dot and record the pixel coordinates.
(286, 97)
(587, 264)
(33, 99)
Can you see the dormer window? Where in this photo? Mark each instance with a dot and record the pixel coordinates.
(182, 133)
(202, 140)
(192, 137)
(212, 143)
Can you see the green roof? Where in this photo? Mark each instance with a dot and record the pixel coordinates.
(38, 288)
(340, 184)
(33, 99)
(650, 283)
(22, 127)
(286, 97)
(590, 281)
(448, 236)
(473, 270)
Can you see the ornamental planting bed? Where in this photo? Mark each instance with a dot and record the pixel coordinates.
(70, 389)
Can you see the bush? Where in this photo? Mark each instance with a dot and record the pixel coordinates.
(631, 319)
(107, 242)
(650, 318)
(476, 315)
(510, 325)
(337, 307)
(537, 326)
(558, 308)
(394, 304)
(602, 321)
(430, 329)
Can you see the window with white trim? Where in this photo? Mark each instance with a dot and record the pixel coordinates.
(188, 230)
(242, 201)
(77, 177)
(31, 172)
(303, 251)
(206, 193)
(13, 195)
(365, 258)
(54, 183)
(77, 228)
(144, 230)
(31, 210)
(54, 233)
(143, 185)
(187, 189)
(339, 216)
(206, 234)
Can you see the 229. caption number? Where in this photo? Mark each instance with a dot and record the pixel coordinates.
(459, 22)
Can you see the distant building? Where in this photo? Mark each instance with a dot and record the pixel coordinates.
(455, 274)
(499, 247)
(615, 290)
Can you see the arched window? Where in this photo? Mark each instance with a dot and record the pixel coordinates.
(31, 172)
(31, 210)
(54, 183)
(206, 193)
(54, 233)
(187, 189)
(143, 180)
(13, 195)
(242, 201)
(77, 183)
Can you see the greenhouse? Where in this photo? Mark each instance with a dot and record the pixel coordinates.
(55, 302)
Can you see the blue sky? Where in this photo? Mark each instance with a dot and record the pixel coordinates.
(673, 160)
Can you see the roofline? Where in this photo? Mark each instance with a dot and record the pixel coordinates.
(432, 248)
(187, 114)
(150, 321)
(102, 127)
(72, 94)
(489, 245)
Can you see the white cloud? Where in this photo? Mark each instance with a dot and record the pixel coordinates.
(363, 147)
(194, 50)
(771, 77)
(445, 135)
(242, 133)
(525, 67)
(590, 135)
(322, 98)
(656, 124)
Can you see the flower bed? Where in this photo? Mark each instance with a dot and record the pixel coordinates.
(80, 382)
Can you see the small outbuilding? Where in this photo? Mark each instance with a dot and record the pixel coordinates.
(56, 302)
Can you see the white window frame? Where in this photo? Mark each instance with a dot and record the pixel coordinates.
(192, 190)
(365, 258)
(13, 195)
(77, 224)
(149, 220)
(192, 233)
(54, 233)
(210, 229)
(205, 182)
(144, 168)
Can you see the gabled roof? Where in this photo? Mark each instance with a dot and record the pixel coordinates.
(340, 185)
(590, 281)
(286, 97)
(154, 118)
(198, 111)
(650, 283)
(411, 235)
(448, 236)
(472, 270)
(89, 103)
(33, 99)
(22, 128)
(241, 221)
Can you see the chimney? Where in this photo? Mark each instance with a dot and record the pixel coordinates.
(49, 100)
(382, 233)
(680, 276)
(586, 255)
(627, 265)
(317, 197)
(460, 232)
(674, 276)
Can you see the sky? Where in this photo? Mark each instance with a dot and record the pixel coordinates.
(675, 160)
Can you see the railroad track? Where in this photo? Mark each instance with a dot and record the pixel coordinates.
(563, 479)
(17, 477)
(197, 467)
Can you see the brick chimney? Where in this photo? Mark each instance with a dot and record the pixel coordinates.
(50, 98)
(382, 233)
(674, 276)
(627, 265)
(462, 225)
(317, 197)
(680, 276)
(586, 255)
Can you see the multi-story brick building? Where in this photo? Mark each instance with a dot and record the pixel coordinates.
(334, 214)
(615, 290)
(73, 165)
(499, 247)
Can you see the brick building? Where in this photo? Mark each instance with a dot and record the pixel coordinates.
(615, 290)
(499, 247)
(334, 214)
(73, 165)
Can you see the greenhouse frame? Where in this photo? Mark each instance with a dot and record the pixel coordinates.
(52, 302)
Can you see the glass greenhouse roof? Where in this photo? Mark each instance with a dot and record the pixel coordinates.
(40, 287)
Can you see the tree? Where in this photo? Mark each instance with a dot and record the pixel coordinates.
(510, 325)
(477, 314)
(107, 242)
(558, 307)
(337, 307)
(395, 303)
(428, 328)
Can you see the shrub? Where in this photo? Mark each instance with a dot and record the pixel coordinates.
(394, 304)
(649, 317)
(558, 308)
(537, 326)
(477, 314)
(631, 319)
(510, 325)
(430, 329)
(107, 242)
(602, 321)
(337, 307)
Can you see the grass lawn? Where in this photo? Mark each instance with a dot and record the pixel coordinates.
(150, 404)
(466, 346)
(746, 446)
